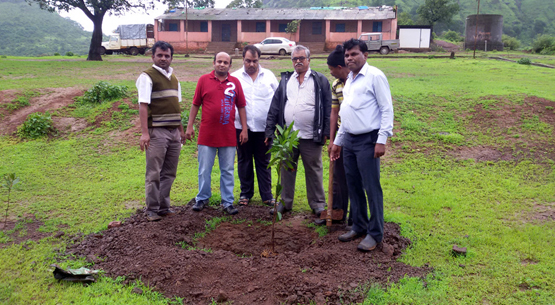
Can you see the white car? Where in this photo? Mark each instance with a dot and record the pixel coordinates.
(276, 45)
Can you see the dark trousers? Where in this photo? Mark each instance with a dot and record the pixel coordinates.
(363, 177)
(311, 154)
(340, 190)
(254, 148)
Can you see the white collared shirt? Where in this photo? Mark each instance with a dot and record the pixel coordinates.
(300, 105)
(366, 105)
(144, 84)
(259, 94)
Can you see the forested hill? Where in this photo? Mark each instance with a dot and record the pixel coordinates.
(523, 19)
(29, 31)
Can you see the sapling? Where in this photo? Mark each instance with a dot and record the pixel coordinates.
(282, 155)
(10, 180)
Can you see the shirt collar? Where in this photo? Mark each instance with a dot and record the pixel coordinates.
(213, 75)
(167, 73)
(362, 71)
(260, 72)
(306, 75)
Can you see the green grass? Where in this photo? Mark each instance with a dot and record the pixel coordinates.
(81, 183)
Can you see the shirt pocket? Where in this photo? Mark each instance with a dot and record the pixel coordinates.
(263, 92)
(361, 97)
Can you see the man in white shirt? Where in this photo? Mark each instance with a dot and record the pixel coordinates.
(303, 97)
(161, 129)
(259, 85)
(366, 123)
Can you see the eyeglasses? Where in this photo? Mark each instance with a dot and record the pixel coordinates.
(302, 58)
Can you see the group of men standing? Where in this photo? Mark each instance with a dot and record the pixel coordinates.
(240, 112)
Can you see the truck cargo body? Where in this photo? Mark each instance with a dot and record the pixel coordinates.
(131, 39)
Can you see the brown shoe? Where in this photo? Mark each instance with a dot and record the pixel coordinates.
(152, 216)
(167, 213)
(367, 244)
(351, 235)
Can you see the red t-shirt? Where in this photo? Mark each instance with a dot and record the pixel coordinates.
(218, 101)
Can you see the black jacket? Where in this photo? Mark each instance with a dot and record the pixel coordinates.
(322, 107)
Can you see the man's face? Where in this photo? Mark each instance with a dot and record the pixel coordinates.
(335, 71)
(222, 64)
(162, 59)
(250, 62)
(355, 59)
(300, 62)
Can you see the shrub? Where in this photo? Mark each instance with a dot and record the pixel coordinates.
(452, 36)
(37, 125)
(69, 53)
(544, 44)
(4, 56)
(56, 54)
(509, 42)
(524, 61)
(103, 91)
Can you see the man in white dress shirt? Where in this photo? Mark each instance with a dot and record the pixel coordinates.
(366, 123)
(303, 97)
(258, 85)
(161, 130)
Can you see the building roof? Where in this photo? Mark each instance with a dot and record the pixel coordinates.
(327, 13)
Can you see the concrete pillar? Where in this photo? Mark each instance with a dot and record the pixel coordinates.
(328, 30)
(210, 29)
(239, 31)
(359, 28)
(268, 28)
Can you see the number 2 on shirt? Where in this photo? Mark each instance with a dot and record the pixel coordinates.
(229, 91)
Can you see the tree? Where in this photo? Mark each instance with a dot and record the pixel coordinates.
(404, 19)
(292, 27)
(203, 3)
(433, 11)
(10, 180)
(95, 10)
(245, 4)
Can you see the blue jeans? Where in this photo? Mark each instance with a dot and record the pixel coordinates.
(226, 158)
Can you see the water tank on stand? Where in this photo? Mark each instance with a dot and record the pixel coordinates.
(490, 30)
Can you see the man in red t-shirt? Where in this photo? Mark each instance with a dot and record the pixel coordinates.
(218, 93)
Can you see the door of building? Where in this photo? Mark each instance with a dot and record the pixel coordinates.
(226, 32)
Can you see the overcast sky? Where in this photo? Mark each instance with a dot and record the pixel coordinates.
(111, 22)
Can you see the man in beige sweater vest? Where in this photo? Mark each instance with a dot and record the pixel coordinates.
(162, 133)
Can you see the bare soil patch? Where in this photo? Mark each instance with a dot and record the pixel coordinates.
(49, 99)
(447, 46)
(306, 268)
(22, 230)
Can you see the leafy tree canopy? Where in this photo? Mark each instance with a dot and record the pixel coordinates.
(95, 10)
(433, 11)
(245, 4)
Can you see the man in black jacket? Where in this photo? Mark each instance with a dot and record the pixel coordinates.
(303, 97)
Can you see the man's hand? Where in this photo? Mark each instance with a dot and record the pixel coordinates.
(267, 141)
(244, 136)
(189, 134)
(379, 150)
(183, 136)
(144, 142)
(335, 152)
(330, 146)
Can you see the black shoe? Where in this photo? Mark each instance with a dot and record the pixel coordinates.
(319, 222)
(351, 235)
(199, 205)
(318, 211)
(367, 244)
(152, 216)
(231, 210)
(166, 213)
(281, 209)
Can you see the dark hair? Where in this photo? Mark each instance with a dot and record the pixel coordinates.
(164, 46)
(230, 59)
(252, 49)
(337, 57)
(351, 43)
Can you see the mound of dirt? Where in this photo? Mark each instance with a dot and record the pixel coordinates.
(226, 264)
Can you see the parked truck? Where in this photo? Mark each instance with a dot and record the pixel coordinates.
(375, 43)
(131, 39)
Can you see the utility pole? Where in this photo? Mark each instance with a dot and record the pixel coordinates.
(476, 24)
(187, 26)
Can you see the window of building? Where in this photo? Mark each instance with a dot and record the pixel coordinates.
(204, 26)
(376, 26)
(340, 27)
(173, 27)
(261, 26)
(317, 28)
(282, 27)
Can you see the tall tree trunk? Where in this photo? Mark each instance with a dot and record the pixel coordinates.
(96, 40)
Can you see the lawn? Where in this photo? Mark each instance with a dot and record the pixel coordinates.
(472, 163)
